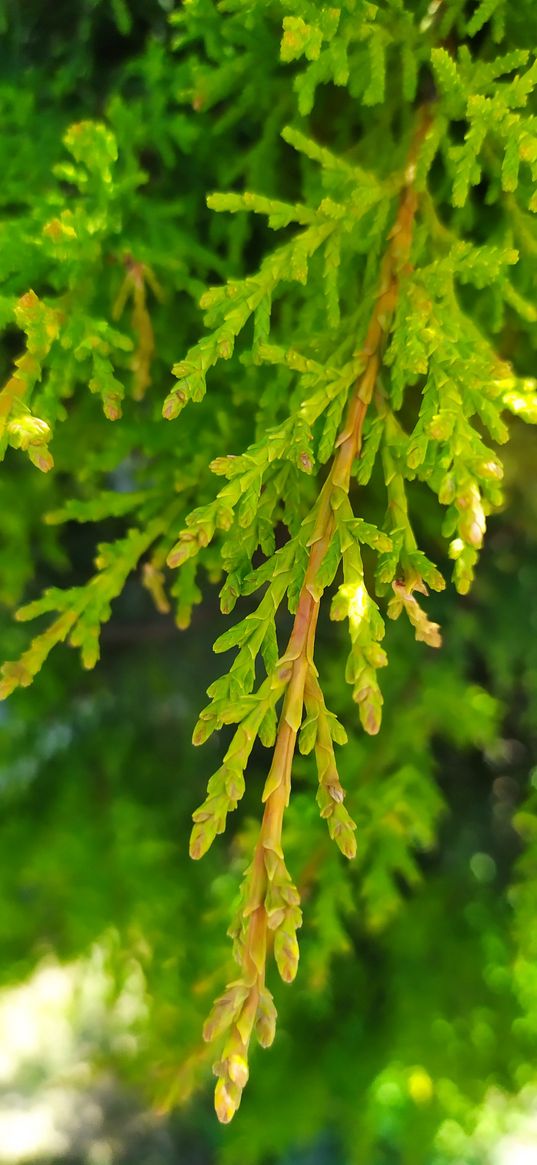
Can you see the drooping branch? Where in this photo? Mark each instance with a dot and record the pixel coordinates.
(270, 906)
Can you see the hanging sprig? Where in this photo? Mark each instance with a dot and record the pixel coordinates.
(269, 908)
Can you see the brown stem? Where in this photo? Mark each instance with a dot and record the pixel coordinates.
(299, 653)
(297, 666)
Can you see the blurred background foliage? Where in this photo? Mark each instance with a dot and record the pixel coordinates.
(409, 1037)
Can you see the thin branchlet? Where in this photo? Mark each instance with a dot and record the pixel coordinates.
(270, 902)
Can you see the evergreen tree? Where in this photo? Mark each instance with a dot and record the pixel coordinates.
(351, 386)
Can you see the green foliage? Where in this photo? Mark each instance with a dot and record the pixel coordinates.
(352, 382)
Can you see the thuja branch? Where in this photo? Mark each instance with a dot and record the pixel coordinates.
(269, 909)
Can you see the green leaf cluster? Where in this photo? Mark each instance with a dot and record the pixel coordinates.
(291, 247)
